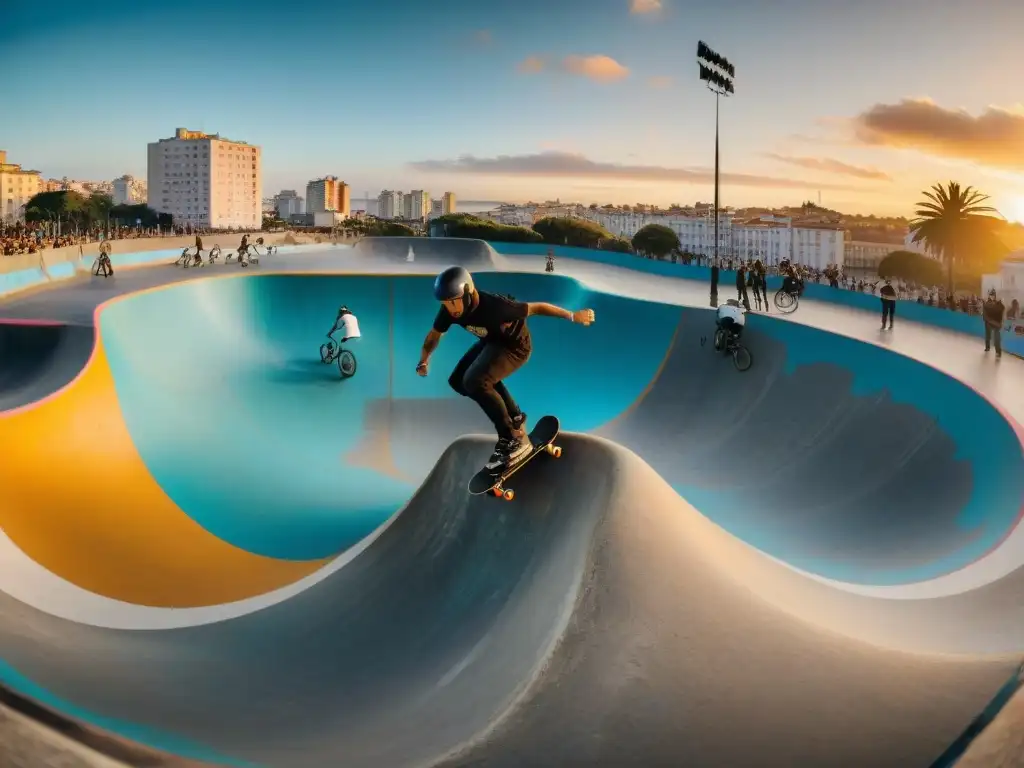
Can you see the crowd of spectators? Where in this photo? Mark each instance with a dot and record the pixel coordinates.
(26, 238)
(833, 275)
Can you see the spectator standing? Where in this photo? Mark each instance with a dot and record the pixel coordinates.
(994, 313)
(888, 297)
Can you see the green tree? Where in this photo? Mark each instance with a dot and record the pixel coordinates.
(562, 230)
(954, 223)
(615, 243)
(128, 215)
(469, 226)
(98, 209)
(910, 266)
(63, 206)
(657, 240)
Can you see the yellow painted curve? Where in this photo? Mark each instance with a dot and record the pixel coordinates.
(76, 497)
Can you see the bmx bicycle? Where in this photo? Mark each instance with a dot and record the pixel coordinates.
(331, 351)
(102, 266)
(729, 343)
(787, 298)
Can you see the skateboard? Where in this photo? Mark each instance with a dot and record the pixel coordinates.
(542, 439)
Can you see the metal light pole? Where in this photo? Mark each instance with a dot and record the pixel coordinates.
(718, 73)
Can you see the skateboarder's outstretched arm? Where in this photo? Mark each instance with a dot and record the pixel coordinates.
(429, 345)
(583, 316)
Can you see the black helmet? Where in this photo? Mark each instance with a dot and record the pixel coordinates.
(344, 310)
(452, 283)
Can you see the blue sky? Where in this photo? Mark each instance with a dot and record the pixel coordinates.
(829, 95)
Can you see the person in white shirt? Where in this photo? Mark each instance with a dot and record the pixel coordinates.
(347, 323)
(729, 319)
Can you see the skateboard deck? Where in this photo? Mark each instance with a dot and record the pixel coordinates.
(542, 439)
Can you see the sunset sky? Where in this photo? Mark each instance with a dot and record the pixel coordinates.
(596, 101)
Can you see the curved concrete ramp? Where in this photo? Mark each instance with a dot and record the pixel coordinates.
(432, 252)
(39, 358)
(595, 604)
(815, 562)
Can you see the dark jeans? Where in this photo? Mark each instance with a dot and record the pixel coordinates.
(888, 310)
(742, 296)
(994, 333)
(479, 376)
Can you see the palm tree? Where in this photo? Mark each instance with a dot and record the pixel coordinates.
(953, 223)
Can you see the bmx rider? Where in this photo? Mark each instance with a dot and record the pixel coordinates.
(729, 319)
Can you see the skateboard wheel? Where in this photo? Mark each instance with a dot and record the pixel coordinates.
(496, 491)
(508, 495)
(554, 450)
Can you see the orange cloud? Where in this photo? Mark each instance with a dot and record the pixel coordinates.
(644, 6)
(556, 164)
(531, 65)
(660, 81)
(994, 138)
(603, 69)
(829, 165)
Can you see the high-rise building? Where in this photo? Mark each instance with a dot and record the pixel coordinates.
(204, 180)
(17, 187)
(416, 205)
(328, 194)
(287, 203)
(389, 204)
(448, 203)
(128, 190)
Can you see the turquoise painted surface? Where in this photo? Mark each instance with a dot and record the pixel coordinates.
(918, 313)
(61, 271)
(17, 281)
(222, 389)
(981, 434)
(152, 737)
(585, 375)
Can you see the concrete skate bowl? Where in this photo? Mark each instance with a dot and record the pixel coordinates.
(434, 253)
(38, 358)
(215, 547)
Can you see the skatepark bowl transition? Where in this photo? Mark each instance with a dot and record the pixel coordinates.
(215, 547)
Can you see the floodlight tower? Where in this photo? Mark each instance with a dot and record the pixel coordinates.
(718, 73)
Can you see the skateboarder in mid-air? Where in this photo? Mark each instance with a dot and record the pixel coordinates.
(504, 346)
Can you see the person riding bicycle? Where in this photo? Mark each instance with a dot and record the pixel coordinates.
(730, 320)
(504, 345)
(347, 323)
(791, 282)
(243, 248)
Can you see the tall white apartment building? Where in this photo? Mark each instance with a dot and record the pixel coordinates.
(416, 205)
(288, 203)
(205, 180)
(389, 204)
(129, 191)
(448, 203)
(768, 238)
(17, 187)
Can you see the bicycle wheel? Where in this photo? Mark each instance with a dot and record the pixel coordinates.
(719, 339)
(785, 302)
(326, 353)
(346, 364)
(742, 358)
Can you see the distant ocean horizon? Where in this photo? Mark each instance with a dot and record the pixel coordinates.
(461, 206)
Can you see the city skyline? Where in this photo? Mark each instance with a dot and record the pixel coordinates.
(857, 106)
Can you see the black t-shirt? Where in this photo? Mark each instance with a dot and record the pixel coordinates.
(496, 318)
